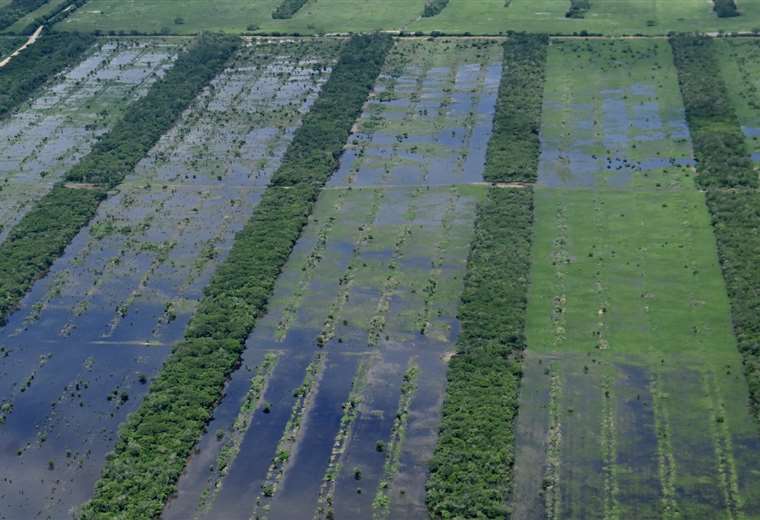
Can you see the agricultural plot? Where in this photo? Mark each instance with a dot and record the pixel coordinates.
(634, 402)
(43, 139)
(79, 352)
(334, 410)
(456, 16)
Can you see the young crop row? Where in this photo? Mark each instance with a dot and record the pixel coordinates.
(515, 146)
(156, 440)
(725, 163)
(471, 467)
(43, 234)
(37, 64)
(719, 147)
(287, 9)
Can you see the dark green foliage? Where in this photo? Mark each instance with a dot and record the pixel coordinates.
(32, 68)
(42, 235)
(288, 9)
(55, 16)
(515, 146)
(719, 147)
(18, 9)
(117, 153)
(736, 223)
(725, 8)
(578, 8)
(156, 440)
(471, 468)
(434, 7)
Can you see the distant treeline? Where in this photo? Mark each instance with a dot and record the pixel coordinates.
(43, 234)
(471, 470)
(515, 146)
(37, 64)
(725, 171)
(156, 440)
(288, 9)
(434, 7)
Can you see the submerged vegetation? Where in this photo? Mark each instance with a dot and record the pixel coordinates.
(155, 441)
(43, 234)
(470, 474)
(515, 146)
(31, 69)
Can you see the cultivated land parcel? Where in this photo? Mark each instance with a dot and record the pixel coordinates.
(375, 276)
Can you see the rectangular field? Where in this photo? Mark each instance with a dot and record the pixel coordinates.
(634, 402)
(612, 17)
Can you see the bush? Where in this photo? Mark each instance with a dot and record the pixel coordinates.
(578, 8)
(287, 9)
(725, 8)
(434, 7)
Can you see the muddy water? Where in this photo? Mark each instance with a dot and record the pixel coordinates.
(127, 285)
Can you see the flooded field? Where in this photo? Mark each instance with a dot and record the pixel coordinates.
(634, 403)
(79, 353)
(364, 314)
(43, 139)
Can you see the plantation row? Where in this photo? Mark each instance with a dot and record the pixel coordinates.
(180, 402)
(43, 234)
(725, 163)
(470, 475)
(23, 76)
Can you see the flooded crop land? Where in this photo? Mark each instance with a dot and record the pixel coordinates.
(421, 259)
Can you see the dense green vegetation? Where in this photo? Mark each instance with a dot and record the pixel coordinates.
(287, 9)
(578, 8)
(725, 8)
(470, 475)
(43, 234)
(155, 441)
(56, 15)
(37, 64)
(719, 147)
(515, 146)
(17, 9)
(736, 219)
(434, 7)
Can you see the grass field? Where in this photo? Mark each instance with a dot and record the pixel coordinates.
(474, 16)
(634, 402)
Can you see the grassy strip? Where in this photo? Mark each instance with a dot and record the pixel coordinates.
(43, 234)
(434, 7)
(288, 9)
(156, 440)
(578, 9)
(515, 146)
(37, 64)
(725, 8)
(719, 146)
(471, 468)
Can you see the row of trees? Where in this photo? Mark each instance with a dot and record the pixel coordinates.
(724, 162)
(156, 440)
(43, 234)
(471, 471)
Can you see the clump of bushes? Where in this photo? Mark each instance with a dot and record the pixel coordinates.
(434, 7)
(725, 8)
(719, 147)
(514, 149)
(156, 440)
(42, 235)
(578, 8)
(287, 9)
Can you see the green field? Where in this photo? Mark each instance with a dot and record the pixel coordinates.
(475, 16)
(634, 402)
